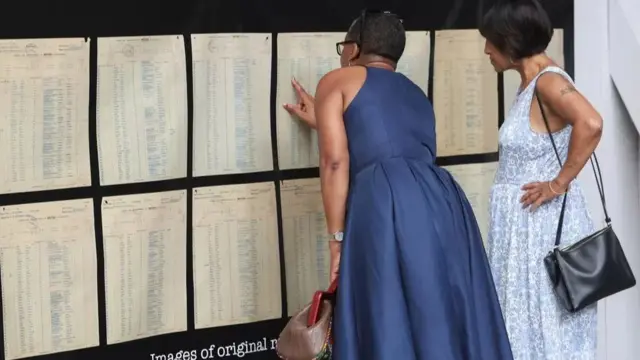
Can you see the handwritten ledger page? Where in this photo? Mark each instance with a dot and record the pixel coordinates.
(511, 79)
(307, 57)
(414, 62)
(141, 109)
(231, 92)
(49, 278)
(465, 94)
(44, 114)
(306, 251)
(236, 258)
(476, 181)
(145, 264)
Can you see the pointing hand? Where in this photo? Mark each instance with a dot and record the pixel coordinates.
(304, 109)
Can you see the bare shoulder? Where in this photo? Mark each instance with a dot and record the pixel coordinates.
(331, 78)
(340, 78)
(559, 95)
(551, 86)
(343, 74)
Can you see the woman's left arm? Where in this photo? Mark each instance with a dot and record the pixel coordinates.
(560, 97)
(334, 158)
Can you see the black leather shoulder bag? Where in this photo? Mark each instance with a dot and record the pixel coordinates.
(592, 268)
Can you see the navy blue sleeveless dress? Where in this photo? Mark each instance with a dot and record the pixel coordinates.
(414, 282)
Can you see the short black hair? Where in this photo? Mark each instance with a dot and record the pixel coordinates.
(518, 28)
(382, 35)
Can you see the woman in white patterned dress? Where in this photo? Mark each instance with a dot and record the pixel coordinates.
(526, 194)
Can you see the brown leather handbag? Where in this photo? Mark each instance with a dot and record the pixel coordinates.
(307, 335)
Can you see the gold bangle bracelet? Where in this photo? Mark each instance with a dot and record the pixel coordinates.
(553, 191)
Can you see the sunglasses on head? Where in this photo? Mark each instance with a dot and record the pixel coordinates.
(362, 19)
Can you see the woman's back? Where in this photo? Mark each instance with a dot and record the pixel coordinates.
(389, 117)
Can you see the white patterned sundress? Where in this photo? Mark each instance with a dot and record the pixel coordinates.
(538, 327)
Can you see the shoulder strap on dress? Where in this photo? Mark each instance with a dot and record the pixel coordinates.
(557, 70)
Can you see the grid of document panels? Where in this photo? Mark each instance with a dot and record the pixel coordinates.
(48, 249)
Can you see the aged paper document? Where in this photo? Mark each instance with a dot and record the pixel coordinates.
(231, 103)
(476, 181)
(414, 62)
(145, 261)
(141, 109)
(465, 94)
(306, 250)
(236, 257)
(49, 278)
(511, 79)
(307, 57)
(44, 114)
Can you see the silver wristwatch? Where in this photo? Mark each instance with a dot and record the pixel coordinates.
(337, 236)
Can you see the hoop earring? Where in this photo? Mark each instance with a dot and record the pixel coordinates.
(349, 63)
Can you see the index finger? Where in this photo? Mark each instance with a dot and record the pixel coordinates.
(302, 93)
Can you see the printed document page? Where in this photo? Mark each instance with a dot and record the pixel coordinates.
(231, 103)
(44, 114)
(306, 249)
(307, 57)
(49, 278)
(145, 264)
(414, 62)
(236, 256)
(511, 79)
(476, 181)
(465, 94)
(141, 109)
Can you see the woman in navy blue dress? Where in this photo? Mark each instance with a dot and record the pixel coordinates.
(414, 282)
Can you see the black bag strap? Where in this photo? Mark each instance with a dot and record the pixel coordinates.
(595, 166)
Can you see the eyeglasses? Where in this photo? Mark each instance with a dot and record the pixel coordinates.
(340, 45)
(361, 19)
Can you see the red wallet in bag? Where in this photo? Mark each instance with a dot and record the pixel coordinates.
(308, 333)
(318, 297)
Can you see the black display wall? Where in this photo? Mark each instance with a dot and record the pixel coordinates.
(72, 18)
